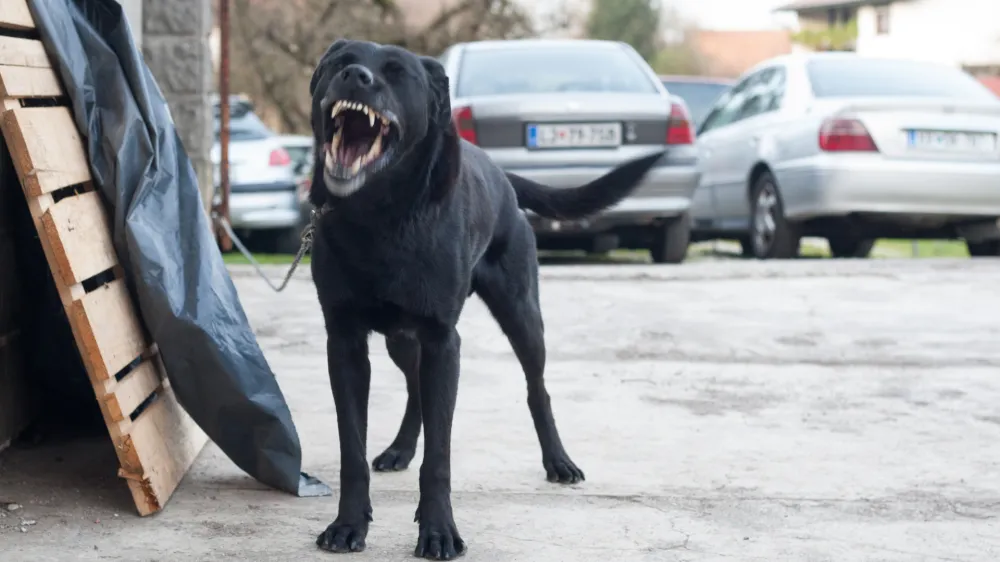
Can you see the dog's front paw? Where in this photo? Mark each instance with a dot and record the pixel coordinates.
(343, 537)
(560, 468)
(393, 459)
(439, 538)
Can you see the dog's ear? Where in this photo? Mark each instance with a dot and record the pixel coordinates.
(448, 157)
(318, 194)
(440, 97)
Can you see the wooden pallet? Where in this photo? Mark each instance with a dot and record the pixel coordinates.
(155, 439)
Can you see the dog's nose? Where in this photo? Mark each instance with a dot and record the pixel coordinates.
(357, 74)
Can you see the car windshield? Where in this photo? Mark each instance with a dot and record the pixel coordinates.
(861, 77)
(548, 69)
(243, 124)
(699, 96)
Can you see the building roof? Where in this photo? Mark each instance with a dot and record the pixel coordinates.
(991, 82)
(808, 5)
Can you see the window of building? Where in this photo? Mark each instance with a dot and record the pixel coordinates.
(882, 19)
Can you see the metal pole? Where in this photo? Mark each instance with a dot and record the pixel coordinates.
(224, 240)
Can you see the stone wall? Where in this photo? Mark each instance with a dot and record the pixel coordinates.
(175, 42)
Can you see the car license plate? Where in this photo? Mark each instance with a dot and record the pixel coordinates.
(574, 135)
(951, 141)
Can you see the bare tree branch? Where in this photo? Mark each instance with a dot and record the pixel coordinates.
(276, 45)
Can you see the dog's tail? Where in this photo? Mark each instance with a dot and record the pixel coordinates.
(579, 202)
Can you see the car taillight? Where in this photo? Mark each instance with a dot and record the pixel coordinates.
(280, 157)
(464, 123)
(845, 135)
(679, 127)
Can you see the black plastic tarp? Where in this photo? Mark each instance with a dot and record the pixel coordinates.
(174, 268)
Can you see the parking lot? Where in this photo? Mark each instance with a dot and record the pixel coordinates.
(834, 410)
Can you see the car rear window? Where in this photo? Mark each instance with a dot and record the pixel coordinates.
(243, 124)
(549, 69)
(851, 76)
(699, 96)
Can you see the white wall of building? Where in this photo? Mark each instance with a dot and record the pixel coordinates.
(957, 32)
(133, 12)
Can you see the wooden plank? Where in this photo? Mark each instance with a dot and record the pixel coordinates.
(15, 51)
(24, 82)
(46, 147)
(166, 442)
(157, 449)
(14, 14)
(80, 235)
(110, 336)
(126, 395)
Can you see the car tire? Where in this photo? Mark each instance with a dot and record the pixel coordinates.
(772, 236)
(985, 249)
(670, 240)
(286, 241)
(848, 247)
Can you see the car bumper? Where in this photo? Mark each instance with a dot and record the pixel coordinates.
(264, 207)
(665, 192)
(839, 185)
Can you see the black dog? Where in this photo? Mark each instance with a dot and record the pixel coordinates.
(414, 221)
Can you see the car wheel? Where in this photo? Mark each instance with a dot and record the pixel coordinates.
(670, 241)
(772, 236)
(285, 241)
(989, 248)
(847, 247)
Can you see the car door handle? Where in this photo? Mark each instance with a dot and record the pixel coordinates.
(754, 140)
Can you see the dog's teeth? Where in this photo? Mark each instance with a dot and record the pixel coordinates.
(371, 119)
(335, 145)
(375, 151)
(356, 166)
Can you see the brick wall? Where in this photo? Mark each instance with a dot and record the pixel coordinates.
(175, 44)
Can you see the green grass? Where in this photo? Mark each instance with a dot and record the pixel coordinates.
(811, 248)
(925, 249)
(236, 258)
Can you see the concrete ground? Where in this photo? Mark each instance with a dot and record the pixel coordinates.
(807, 411)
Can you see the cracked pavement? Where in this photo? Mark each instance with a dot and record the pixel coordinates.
(816, 410)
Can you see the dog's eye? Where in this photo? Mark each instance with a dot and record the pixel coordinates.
(392, 68)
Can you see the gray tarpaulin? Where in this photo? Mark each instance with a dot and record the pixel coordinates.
(173, 265)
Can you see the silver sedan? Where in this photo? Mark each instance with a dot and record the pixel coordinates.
(850, 149)
(564, 112)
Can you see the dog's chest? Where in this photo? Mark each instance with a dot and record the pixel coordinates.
(419, 274)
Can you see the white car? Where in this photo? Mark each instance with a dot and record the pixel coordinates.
(264, 205)
(850, 149)
(300, 148)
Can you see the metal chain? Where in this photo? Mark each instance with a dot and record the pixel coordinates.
(304, 247)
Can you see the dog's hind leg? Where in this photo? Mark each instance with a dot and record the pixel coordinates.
(405, 353)
(508, 284)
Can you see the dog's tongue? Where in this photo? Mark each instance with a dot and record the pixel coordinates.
(349, 152)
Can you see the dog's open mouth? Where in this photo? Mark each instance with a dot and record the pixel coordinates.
(362, 140)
